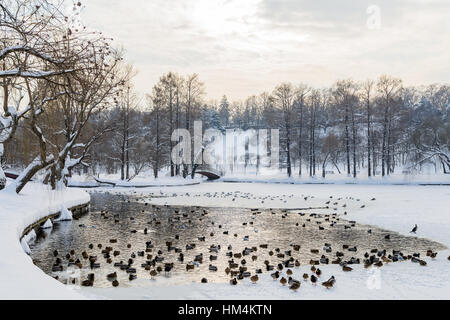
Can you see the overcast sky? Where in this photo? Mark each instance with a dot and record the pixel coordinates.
(245, 47)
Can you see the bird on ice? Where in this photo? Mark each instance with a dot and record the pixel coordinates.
(414, 229)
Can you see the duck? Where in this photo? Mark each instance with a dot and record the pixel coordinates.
(153, 273)
(167, 268)
(132, 277)
(313, 279)
(295, 286)
(112, 276)
(329, 283)
(283, 281)
(233, 282)
(318, 272)
(275, 275)
(346, 268)
(254, 278)
(212, 268)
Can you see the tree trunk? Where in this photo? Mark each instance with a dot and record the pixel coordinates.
(369, 168)
(383, 148)
(300, 141)
(313, 144)
(347, 140)
(2, 179)
(2, 174)
(288, 147)
(354, 142)
(374, 157)
(172, 167)
(28, 173)
(127, 142)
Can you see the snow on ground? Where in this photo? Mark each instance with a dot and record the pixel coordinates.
(140, 181)
(19, 277)
(396, 208)
(362, 178)
(396, 281)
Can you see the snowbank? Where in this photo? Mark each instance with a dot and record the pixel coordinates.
(393, 179)
(138, 182)
(19, 277)
(396, 208)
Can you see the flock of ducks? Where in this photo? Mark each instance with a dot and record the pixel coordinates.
(240, 263)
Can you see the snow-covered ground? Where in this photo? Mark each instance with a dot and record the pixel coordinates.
(139, 181)
(19, 277)
(362, 178)
(396, 208)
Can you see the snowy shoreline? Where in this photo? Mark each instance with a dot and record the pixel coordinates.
(19, 277)
(341, 179)
(396, 208)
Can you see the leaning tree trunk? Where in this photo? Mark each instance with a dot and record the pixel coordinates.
(29, 172)
(2, 178)
(2, 174)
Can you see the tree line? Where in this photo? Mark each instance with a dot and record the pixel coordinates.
(375, 127)
(69, 105)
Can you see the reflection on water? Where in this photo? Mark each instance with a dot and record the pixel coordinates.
(126, 218)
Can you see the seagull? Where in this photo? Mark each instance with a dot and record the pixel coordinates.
(414, 229)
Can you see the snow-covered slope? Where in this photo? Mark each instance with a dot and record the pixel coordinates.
(396, 208)
(19, 277)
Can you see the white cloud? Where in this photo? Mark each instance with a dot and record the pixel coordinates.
(245, 47)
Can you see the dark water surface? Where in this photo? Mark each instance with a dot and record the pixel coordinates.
(126, 218)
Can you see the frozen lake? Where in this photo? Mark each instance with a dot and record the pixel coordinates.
(291, 235)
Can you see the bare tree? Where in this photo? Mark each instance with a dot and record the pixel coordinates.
(389, 90)
(367, 89)
(330, 147)
(32, 59)
(300, 101)
(284, 96)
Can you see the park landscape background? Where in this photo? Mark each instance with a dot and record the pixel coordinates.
(74, 114)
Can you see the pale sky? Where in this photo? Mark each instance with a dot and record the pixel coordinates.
(245, 47)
